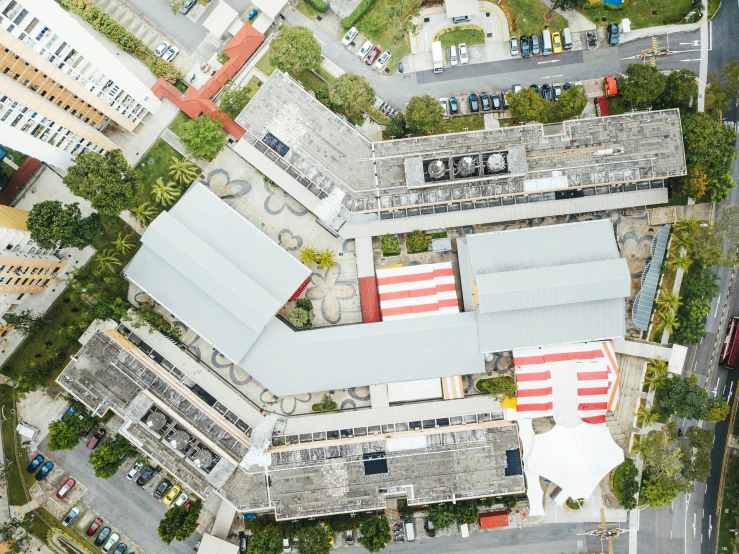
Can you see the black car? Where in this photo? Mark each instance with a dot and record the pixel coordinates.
(536, 88)
(504, 98)
(187, 6)
(430, 529)
(37, 461)
(474, 104)
(525, 50)
(453, 106)
(44, 471)
(567, 86)
(495, 99)
(162, 488)
(546, 92)
(243, 542)
(121, 549)
(612, 34)
(535, 49)
(485, 100)
(145, 476)
(102, 536)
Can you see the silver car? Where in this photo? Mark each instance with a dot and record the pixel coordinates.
(111, 542)
(162, 49)
(514, 46)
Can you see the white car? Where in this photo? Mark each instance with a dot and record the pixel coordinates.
(516, 89)
(350, 35)
(181, 499)
(444, 106)
(111, 541)
(171, 54)
(134, 471)
(463, 57)
(365, 49)
(162, 49)
(382, 61)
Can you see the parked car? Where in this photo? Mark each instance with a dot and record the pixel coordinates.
(474, 103)
(525, 50)
(430, 529)
(181, 499)
(121, 548)
(162, 488)
(350, 35)
(504, 98)
(535, 87)
(37, 461)
(485, 101)
(516, 89)
(66, 487)
(556, 43)
(535, 47)
(463, 56)
(243, 542)
(372, 55)
(187, 6)
(444, 106)
(495, 100)
(102, 536)
(70, 410)
(365, 49)
(350, 537)
(173, 493)
(96, 438)
(171, 53)
(546, 92)
(94, 526)
(44, 471)
(252, 14)
(111, 541)
(453, 106)
(134, 471)
(145, 476)
(612, 34)
(514, 46)
(461, 19)
(556, 91)
(286, 545)
(382, 61)
(160, 51)
(71, 516)
(567, 86)
(453, 57)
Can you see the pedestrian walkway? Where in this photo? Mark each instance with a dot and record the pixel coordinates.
(635, 34)
(576, 21)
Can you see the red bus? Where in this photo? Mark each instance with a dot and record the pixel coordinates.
(730, 349)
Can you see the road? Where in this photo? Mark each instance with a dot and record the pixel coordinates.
(120, 502)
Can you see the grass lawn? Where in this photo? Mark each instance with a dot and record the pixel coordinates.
(532, 17)
(728, 521)
(384, 37)
(153, 165)
(17, 476)
(43, 522)
(640, 13)
(713, 7)
(253, 85)
(457, 124)
(471, 36)
(178, 123)
(306, 9)
(265, 66)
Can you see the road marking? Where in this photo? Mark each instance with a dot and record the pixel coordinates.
(710, 527)
(319, 40)
(718, 301)
(694, 528)
(724, 390)
(552, 76)
(691, 60)
(710, 35)
(550, 61)
(706, 489)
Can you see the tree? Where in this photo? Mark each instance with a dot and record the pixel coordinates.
(723, 88)
(668, 301)
(374, 533)
(304, 303)
(417, 242)
(233, 99)
(266, 541)
(571, 102)
(165, 194)
(299, 318)
(681, 261)
(466, 512)
(326, 259)
(124, 242)
(144, 213)
(694, 184)
(352, 94)
(55, 225)
(667, 322)
(397, 127)
(660, 491)
(65, 435)
(107, 261)
(203, 137)
(107, 181)
(308, 255)
(326, 404)
(700, 466)
(25, 322)
(498, 387)
(681, 91)
(441, 515)
(184, 171)
(626, 484)
(565, 5)
(180, 522)
(718, 411)
(295, 49)
(14, 536)
(314, 539)
(108, 457)
(190, 523)
(656, 373)
(699, 438)
(528, 106)
(648, 416)
(423, 114)
(684, 397)
(641, 85)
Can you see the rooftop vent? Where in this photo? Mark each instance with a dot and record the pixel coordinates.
(179, 440)
(495, 163)
(437, 169)
(156, 421)
(466, 166)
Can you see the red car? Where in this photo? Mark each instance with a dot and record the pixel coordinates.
(372, 55)
(96, 438)
(66, 487)
(94, 527)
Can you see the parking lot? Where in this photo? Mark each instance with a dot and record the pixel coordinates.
(124, 506)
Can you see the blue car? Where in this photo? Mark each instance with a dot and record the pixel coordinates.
(252, 14)
(37, 461)
(44, 471)
(69, 412)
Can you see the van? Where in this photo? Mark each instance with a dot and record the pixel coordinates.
(546, 42)
(566, 38)
(410, 531)
(461, 19)
(453, 59)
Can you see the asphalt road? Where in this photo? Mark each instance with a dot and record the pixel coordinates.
(188, 34)
(121, 503)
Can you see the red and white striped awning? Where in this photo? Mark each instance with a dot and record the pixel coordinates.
(573, 382)
(417, 291)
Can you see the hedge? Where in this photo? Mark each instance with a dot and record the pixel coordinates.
(319, 5)
(390, 245)
(103, 23)
(417, 242)
(350, 20)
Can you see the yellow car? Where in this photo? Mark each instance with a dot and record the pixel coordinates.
(556, 43)
(172, 494)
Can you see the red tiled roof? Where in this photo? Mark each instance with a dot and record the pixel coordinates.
(19, 179)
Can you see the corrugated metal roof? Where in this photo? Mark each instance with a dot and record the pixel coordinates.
(553, 286)
(465, 275)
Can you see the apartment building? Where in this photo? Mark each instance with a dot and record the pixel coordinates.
(59, 87)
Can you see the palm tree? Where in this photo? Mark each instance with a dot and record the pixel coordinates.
(682, 240)
(123, 242)
(668, 302)
(656, 373)
(667, 322)
(144, 213)
(682, 261)
(648, 416)
(107, 261)
(184, 171)
(326, 259)
(165, 194)
(308, 255)
(687, 226)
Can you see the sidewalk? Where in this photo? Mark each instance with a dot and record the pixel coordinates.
(577, 22)
(635, 34)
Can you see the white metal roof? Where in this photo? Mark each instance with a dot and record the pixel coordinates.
(409, 391)
(214, 545)
(220, 18)
(457, 8)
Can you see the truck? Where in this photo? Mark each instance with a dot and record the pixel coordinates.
(438, 56)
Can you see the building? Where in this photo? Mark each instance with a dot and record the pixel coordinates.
(361, 188)
(59, 88)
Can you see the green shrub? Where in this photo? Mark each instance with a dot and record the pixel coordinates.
(350, 20)
(625, 484)
(575, 505)
(103, 23)
(498, 387)
(300, 317)
(164, 69)
(390, 245)
(417, 242)
(223, 58)
(304, 304)
(319, 5)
